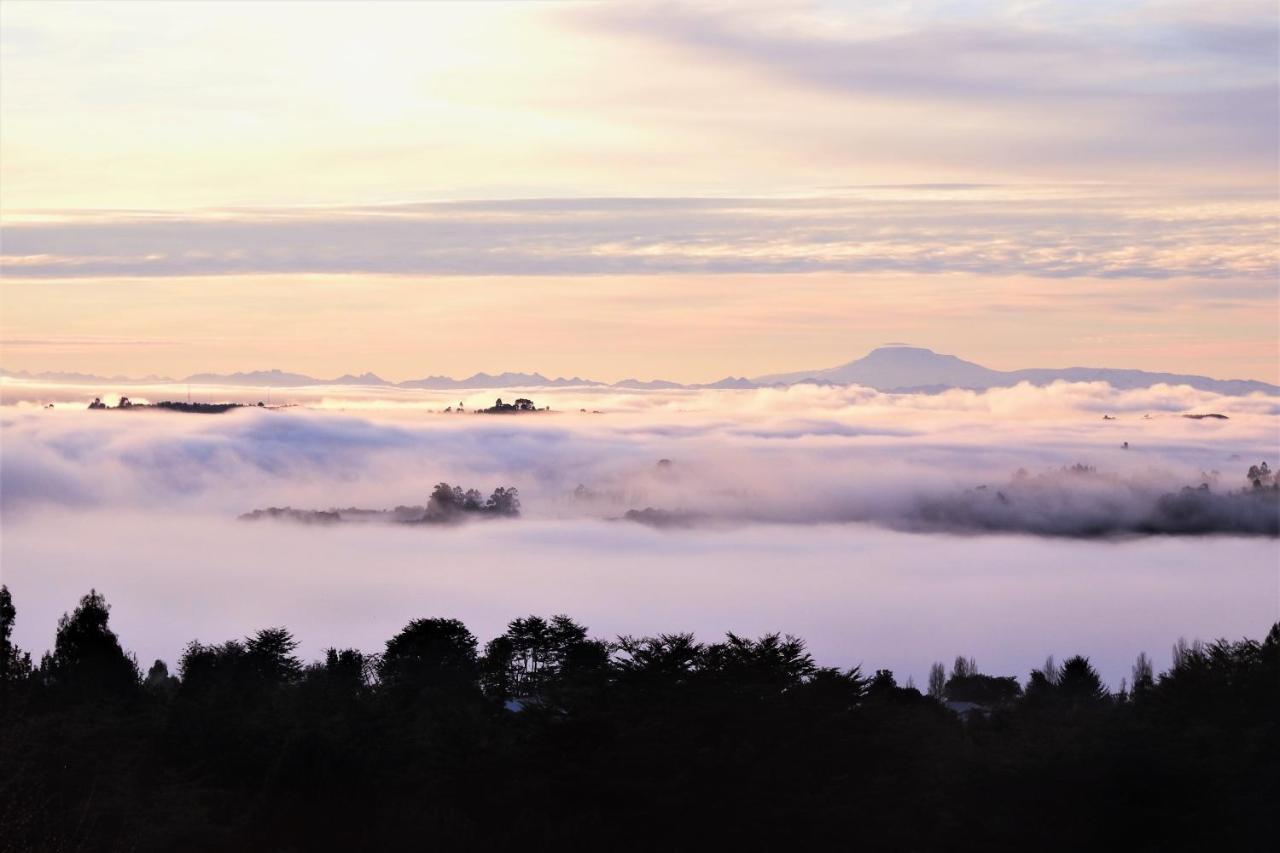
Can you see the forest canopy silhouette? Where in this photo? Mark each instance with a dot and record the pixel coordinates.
(545, 735)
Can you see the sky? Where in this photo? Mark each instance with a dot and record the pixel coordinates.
(682, 191)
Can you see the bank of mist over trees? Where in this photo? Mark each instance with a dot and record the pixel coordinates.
(1075, 501)
(546, 736)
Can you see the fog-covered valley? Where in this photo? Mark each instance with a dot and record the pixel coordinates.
(848, 516)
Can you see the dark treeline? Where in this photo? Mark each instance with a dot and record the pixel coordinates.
(547, 737)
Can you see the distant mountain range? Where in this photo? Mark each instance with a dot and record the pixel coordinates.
(895, 369)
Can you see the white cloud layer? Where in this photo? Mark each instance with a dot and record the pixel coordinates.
(800, 455)
(793, 491)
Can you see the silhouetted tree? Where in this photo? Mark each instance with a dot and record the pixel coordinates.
(536, 653)
(270, 655)
(665, 659)
(1142, 676)
(882, 683)
(772, 663)
(206, 667)
(574, 655)
(451, 503)
(435, 657)
(833, 689)
(982, 689)
(937, 681)
(1050, 670)
(1222, 678)
(504, 501)
(964, 667)
(350, 666)
(1041, 687)
(530, 645)
(445, 502)
(1261, 476)
(1184, 651)
(87, 658)
(498, 668)
(1079, 682)
(253, 668)
(159, 682)
(1038, 690)
(344, 676)
(15, 664)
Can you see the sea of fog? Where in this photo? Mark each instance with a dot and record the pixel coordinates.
(887, 530)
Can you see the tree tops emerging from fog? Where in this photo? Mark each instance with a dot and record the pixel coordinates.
(521, 405)
(171, 405)
(1074, 501)
(446, 505)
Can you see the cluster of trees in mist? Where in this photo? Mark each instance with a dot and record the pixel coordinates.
(446, 505)
(1078, 501)
(1074, 501)
(546, 736)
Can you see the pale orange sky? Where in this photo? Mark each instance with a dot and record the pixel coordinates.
(678, 327)
(633, 190)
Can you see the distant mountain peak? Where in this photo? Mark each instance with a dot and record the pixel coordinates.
(902, 352)
(902, 368)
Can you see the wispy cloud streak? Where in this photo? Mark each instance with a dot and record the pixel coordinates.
(1056, 234)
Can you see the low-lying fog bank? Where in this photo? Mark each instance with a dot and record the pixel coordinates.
(796, 510)
(1039, 461)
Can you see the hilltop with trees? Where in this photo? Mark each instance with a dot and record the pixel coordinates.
(125, 404)
(519, 406)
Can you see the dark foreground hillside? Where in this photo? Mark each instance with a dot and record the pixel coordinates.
(548, 739)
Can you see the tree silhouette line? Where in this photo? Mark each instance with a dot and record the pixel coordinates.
(548, 737)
